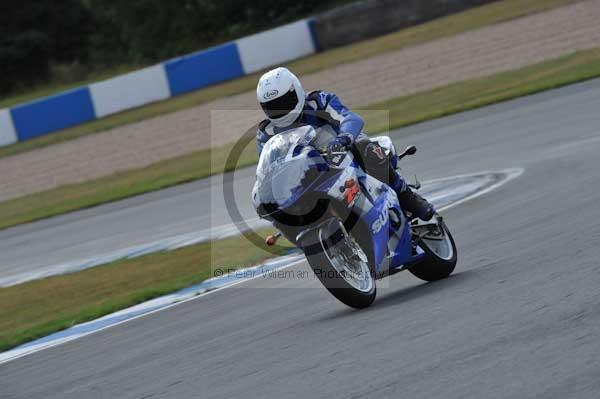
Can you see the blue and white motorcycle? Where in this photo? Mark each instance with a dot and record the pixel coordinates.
(349, 225)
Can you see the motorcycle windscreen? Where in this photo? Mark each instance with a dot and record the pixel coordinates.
(283, 164)
(282, 181)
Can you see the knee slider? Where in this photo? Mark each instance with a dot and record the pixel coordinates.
(374, 154)
(377, 162)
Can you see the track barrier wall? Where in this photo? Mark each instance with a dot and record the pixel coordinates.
(344, 25)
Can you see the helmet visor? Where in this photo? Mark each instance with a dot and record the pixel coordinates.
(281, 106)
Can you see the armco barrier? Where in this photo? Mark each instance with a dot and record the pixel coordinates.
(8, 135)
(53, 113)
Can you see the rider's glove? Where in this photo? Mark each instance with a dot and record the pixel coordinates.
(340, 143)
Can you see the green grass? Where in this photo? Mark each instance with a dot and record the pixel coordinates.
(403, 111)
(471, 19)
(38, 308)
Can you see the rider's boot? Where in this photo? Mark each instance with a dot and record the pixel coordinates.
(410, 200)
(382, 168)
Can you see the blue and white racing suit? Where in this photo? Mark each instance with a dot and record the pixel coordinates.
(326, 113)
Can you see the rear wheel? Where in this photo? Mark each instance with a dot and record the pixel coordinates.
(341, 265)
(437, 242)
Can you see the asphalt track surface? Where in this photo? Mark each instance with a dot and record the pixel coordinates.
(520, 318)
(94, 232)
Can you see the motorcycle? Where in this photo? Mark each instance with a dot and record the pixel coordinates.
(349, 225)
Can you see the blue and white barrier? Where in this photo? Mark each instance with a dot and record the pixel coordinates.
(130, 90)
(159, 82)
(204, 68)
(53, 113)
(281, 44)
(8, 134)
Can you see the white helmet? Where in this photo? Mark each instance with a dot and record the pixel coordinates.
(281, 96)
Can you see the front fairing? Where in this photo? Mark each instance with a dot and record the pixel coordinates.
(287, 168)
(292, 177)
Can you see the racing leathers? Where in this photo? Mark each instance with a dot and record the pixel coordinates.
(342, 128)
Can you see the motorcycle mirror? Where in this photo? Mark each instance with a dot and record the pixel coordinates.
(410, 150)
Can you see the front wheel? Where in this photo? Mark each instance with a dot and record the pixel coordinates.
(341, 265)
(437, 242)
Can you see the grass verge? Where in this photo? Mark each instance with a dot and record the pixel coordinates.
(38, 308)
(451, 25)
(403, 111)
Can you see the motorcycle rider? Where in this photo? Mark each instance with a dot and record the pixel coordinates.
(286, 106)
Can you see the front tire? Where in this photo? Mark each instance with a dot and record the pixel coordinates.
(440, 259)
(348, 278)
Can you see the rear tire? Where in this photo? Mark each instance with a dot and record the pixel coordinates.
(434, 267)
(330, 277)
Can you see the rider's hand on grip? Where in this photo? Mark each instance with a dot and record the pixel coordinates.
(340, 144)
